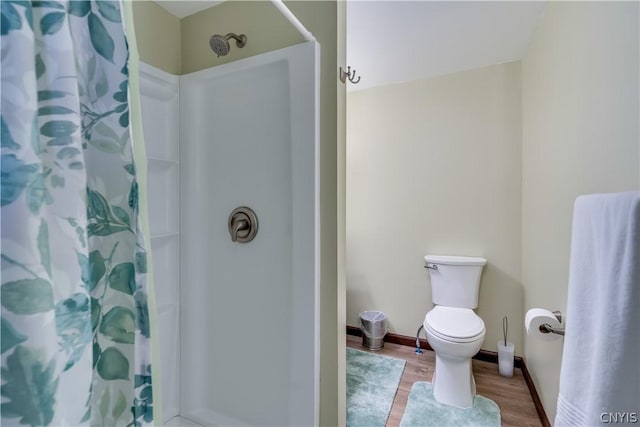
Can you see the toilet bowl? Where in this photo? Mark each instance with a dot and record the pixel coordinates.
(454, 331)
(455, 335)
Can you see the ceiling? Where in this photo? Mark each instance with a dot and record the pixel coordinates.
(183, 8)
(398, 41)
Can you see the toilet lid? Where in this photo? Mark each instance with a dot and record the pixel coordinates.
(455, 323)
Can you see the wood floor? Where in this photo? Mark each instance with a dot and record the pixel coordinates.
(511, 394)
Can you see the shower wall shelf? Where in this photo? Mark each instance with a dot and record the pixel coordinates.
(169, 235)
(160, 121)
(161, 162)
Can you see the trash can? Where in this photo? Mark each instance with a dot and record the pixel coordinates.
(374, 327)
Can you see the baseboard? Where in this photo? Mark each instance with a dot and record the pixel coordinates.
(484, 355)
(534, 395)
(393, 338)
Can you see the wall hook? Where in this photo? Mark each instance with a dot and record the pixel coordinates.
(349, 74)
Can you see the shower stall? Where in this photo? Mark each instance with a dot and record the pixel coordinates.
(238, 317)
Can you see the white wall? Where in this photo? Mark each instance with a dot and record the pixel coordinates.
(580, 135)
(434, 167)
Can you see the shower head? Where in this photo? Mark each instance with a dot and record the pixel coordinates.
(220, 44)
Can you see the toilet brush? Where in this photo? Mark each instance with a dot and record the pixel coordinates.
(505, 328)
(505, 352)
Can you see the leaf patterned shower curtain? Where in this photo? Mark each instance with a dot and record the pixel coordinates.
(75, 323)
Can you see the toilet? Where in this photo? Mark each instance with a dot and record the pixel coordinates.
(454, 331)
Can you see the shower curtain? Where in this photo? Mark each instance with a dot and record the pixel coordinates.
(75, 323)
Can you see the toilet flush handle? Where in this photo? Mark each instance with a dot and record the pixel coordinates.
(431, 267)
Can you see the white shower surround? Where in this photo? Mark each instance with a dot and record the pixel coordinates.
(159, 98)
(249, 313)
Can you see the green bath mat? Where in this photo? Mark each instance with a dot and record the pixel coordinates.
(423, 410)
(372, 382)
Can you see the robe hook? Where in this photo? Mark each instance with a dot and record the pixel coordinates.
(349, 74)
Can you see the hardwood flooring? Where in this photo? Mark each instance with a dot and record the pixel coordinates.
(511, 394)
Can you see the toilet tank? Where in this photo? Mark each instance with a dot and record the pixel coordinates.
(455, 280)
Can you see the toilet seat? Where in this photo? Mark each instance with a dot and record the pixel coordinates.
(454, 324)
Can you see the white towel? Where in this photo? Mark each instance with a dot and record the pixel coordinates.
(600, 375)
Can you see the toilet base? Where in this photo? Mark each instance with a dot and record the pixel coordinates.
(453, 382)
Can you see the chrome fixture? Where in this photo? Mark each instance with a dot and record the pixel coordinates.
(243, 224)
(548, 329)
(431, 267)
(220, 44)
(349, 74)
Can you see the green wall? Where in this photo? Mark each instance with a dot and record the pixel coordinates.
(157, 36)
(396, 213)
(580, 135)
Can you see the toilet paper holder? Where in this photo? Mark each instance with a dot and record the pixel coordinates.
(548, 329)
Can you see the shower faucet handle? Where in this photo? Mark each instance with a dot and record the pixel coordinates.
(238, 225)
(243, 224)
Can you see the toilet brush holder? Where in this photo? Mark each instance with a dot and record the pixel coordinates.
(505, 358)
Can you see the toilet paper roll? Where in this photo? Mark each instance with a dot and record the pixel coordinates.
(537, 317)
